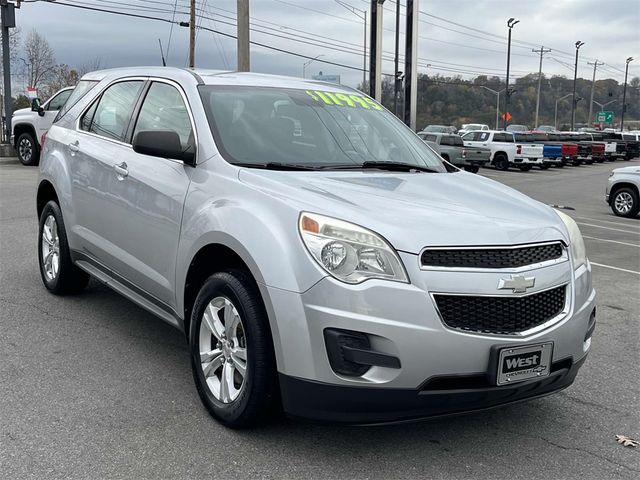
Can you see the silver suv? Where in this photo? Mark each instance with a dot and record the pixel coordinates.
(318, 256)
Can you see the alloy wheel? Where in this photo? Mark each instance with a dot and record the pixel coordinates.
(623, 202)
(50, 248)
(223, 350)
(25, 150)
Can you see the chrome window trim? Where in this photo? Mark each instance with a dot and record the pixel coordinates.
(552, 321)
(524, 268)
(143, 79)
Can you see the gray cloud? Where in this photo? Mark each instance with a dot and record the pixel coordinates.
(609, 29)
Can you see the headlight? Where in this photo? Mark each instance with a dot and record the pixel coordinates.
(348, 252)
(576, 245)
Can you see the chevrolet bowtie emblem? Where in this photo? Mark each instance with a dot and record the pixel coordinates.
(517, 283)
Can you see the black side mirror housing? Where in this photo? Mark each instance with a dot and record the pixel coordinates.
(36, 107)
(163, 143)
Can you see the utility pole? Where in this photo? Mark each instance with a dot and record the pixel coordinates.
(192, 35)
(574, 102)
(411, 64)
(244, 63)
(8, 21)
(624, 91)
(497, 92)
(396, 64)
(375, 50)
(542, 51)
(595, 64)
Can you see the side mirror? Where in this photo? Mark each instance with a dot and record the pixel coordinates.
(36, 107)
(163, 143)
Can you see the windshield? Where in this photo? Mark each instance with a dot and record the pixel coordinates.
(321, 129)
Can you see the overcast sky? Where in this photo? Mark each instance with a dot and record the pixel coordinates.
(609, 29)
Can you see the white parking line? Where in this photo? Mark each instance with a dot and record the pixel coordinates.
(615, 268)
(611, 241)
(608, 221)
(607, 228)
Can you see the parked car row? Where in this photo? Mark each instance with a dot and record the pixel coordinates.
(525, 150)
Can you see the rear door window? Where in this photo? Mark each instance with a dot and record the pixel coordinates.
(111, 117)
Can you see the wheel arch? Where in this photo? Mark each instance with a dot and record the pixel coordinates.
(21, 128)
(623, 184)
(46, 192)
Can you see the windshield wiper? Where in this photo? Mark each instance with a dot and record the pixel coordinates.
(383, 165)
(277, 166)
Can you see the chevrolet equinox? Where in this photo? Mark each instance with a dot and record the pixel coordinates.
(319, 257)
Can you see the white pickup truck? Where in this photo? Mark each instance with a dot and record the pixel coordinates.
(528, 152)
(502, 145)
(29, 124)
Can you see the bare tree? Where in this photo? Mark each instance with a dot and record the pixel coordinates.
(14, 46)
(40, 57)
(62, 76)
(89, 66)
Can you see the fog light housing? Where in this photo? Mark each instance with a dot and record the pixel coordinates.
(350, 353)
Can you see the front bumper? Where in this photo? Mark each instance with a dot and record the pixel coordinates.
(402, 321)
(318, 401)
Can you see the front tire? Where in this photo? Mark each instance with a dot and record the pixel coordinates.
(59, 275)
(27, 149)
(624, 202)
(232, 355)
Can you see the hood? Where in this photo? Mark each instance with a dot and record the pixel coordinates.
(631, 169)
(22, 111)
(415, 210)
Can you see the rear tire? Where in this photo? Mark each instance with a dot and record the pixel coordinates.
(59, 275)
(27, 149)
(237, 382)
(544, 166)
(524, 168)
(624, 202)
(501, 162)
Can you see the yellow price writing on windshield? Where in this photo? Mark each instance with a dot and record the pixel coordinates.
(343, 99)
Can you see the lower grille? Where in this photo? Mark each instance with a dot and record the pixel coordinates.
(500, 315)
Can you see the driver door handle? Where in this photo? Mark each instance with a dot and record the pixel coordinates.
(121, 169)
(74, 146)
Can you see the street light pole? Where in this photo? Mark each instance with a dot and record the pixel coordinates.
(497, 92)
(624, 92)
(307, 63)
(510, 23)
(575, 77)
(555, 117)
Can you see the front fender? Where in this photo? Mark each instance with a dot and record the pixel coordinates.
(261, 229)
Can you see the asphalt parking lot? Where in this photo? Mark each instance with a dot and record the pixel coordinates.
(92, 386)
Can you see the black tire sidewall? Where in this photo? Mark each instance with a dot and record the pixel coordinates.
(501, 162)
(255, 395)
(34, 149)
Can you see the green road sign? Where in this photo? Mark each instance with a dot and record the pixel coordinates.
(604, 117)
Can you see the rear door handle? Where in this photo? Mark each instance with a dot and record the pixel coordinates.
(121, 170)
(74, 146)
